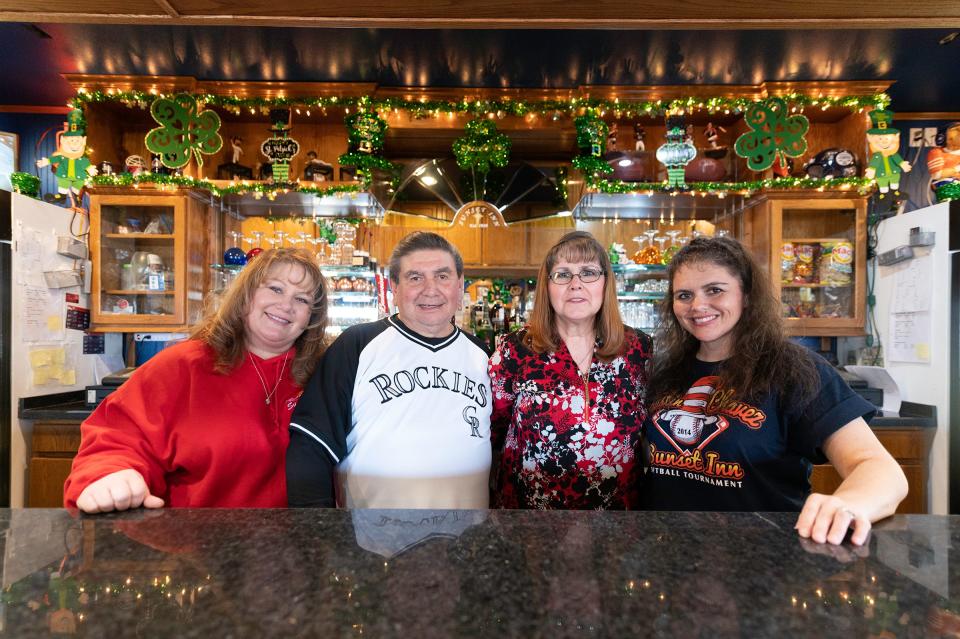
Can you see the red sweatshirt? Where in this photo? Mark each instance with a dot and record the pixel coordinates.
(199, 438)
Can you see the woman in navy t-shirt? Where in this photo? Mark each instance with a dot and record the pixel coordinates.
(737, 413)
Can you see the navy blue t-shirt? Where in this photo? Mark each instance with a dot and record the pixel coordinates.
(708, 450)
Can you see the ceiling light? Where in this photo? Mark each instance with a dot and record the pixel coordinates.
(428, 180)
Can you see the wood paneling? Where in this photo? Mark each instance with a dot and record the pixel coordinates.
(910, 446)
(661, 14)
(54, 445)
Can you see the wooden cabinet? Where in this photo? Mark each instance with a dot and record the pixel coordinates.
(54, 445)
(910, 446)
(151, 254)
(815, 250)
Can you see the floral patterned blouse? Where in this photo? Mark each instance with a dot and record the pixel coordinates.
(567, 442)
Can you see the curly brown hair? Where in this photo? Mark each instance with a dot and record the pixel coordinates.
(542, 335)
(763, 360)
(224, 328)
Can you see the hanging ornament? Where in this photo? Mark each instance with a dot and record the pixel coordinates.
(184, 131)
(281, 148)
(774, 135)
(481, 147)
(592, 134)
(70, 162)
(365, 134)
(677, 152)
(886, 164)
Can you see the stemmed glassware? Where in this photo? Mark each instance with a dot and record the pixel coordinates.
(638, 253)
(673, 248)
(650, 254)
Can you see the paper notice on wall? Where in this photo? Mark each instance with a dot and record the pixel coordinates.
(909, 337)
(42, 317)
(912, 286)
(30, 247)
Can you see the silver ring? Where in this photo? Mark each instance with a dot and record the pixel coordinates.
(852, 514)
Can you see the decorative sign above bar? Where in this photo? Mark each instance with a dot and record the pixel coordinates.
(478, 215)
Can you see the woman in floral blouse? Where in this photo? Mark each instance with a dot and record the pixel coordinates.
(568, 391)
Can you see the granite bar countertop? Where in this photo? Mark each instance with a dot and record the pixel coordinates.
(337, 573)
(72, 406)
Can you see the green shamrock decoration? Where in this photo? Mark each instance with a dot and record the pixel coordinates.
(183, 131)
(774, 135)
(482, 147)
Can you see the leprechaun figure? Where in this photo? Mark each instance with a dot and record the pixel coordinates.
(885, 165)
(70, 162)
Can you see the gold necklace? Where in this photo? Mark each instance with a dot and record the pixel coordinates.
(263, 382)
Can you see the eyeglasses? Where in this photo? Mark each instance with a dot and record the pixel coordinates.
(586, 276)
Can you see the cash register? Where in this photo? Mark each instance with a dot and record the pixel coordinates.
(110, 383)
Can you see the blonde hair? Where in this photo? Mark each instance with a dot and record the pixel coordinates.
(542, 335)
(224, 327)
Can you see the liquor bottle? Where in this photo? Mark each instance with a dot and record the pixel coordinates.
(516, 314)
(483, 328)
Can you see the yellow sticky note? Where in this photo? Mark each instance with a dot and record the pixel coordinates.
(54, 323)
(41, 358)
(923, 351)
(68, 377)
(58, 355)
(55, 371)
(41, 376)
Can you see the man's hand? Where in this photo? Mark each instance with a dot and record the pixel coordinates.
(121, 490)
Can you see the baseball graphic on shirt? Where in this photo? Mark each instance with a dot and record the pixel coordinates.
(689, 425)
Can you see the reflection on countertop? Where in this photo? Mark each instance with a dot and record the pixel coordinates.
(320, 573)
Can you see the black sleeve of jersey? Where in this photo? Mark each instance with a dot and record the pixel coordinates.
(309, 474)
(323, 416)
(479, 343)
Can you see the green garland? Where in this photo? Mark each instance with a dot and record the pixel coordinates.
(862, 185)
(948, 192)
(497, 108)
(560, 180)
(235, 188)
(25, 183)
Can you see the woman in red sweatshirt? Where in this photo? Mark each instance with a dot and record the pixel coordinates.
(205, 423)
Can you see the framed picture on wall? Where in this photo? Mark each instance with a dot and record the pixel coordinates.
(8, 158)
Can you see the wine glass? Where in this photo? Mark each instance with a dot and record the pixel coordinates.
(279, 238)
(257, 242)
(673, 248)
(650, 254)
(235, 256)
(636, 256)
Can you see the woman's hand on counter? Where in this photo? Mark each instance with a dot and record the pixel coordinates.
(827, 518)
(121, 490)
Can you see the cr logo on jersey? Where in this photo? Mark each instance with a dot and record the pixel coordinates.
(687, 423)
(470, 416)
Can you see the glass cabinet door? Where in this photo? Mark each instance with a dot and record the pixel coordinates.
(820, 265)
(138, 250)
